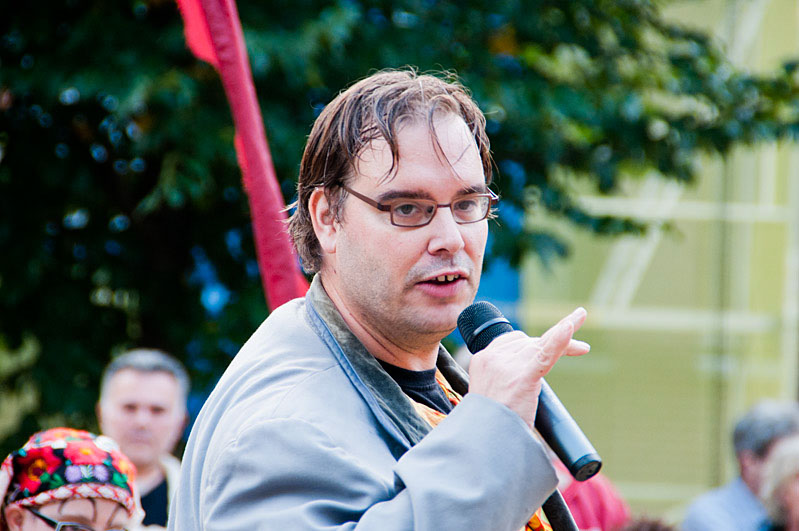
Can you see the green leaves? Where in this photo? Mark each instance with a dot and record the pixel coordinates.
(104, 113)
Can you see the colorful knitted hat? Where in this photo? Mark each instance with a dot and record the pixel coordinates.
(63, 463)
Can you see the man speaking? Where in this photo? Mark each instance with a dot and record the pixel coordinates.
(343, 411)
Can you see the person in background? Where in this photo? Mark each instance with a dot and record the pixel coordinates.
(143, 407)
(780, 490)
(595, 504)
(736, 505)
(70, 480)
(647, 524)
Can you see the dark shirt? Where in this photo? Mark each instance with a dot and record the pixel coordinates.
(420, 385)
(154, 505)
(391, 399)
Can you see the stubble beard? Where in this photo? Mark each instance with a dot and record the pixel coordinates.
(409, 322)
(403, 316)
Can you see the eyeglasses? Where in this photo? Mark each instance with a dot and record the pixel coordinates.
(407, 212)
(65, 526)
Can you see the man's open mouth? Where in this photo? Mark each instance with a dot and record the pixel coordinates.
(444, 279)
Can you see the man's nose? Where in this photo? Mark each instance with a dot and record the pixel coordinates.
(446, 233)
(142, 417)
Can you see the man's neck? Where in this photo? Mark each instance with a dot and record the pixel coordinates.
(751, 483)
(148, 477)
(414, 354)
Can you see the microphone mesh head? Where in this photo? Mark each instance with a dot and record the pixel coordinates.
(474, 316)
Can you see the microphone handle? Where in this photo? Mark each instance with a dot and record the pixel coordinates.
(558, 513)
(564, 436)
(481, 323)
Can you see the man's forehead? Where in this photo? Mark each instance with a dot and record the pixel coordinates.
(132, 375)
(78, 509)
(453, 147)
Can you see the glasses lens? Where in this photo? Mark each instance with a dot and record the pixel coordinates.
(74, 527)
(471, 208)
(412, 213)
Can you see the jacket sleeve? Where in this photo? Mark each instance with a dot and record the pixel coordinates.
(481, 468)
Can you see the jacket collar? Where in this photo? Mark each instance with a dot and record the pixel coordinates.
(391, 406)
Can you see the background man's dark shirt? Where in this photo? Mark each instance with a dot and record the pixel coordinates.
(154, 504)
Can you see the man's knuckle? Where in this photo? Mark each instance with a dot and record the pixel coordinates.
(543, 356)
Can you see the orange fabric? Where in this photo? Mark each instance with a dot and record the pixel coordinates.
(539, 520)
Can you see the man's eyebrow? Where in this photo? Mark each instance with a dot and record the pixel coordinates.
(421, 194)
(403, 194)
(478, 189)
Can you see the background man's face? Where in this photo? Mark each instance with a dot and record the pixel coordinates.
(406, 281)
(143, 412)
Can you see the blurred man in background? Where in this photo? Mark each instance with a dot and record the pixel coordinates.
(143, 407)
(780, 486)
(736, 504)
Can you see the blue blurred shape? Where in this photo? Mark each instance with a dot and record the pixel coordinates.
(214, 298)
(76, 219)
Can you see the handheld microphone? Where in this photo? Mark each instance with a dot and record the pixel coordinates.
(481, 323)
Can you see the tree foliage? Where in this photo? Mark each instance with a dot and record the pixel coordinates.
(123, 220)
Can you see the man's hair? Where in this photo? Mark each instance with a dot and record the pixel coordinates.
(764, 424)
(371, 109)
(147, 360)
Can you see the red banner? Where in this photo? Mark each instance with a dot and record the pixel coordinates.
(214, 34)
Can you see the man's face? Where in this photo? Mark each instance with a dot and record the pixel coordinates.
(410, 284)
(789, 498)
(143, 412)
(97, 513)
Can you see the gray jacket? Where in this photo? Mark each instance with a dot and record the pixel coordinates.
(306, 431)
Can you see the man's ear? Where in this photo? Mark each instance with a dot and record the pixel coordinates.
(747, 458)
(750, 465)
(15, 516)
(98, 411)
(324, 221)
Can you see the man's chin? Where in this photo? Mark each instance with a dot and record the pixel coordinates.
(434, 317)
(437, 321)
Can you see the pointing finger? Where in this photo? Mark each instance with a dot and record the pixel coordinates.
(576, 318)
(552, 345)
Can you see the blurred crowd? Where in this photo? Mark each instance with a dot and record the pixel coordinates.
(765, 495)
(72, 480)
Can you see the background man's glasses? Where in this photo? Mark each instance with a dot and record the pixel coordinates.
(406, 212)
(64, 526)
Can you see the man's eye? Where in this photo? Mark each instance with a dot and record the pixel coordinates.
(407, 209)
(469, 208)
(466, 205)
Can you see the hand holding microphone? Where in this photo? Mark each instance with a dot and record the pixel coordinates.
(509, 367)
